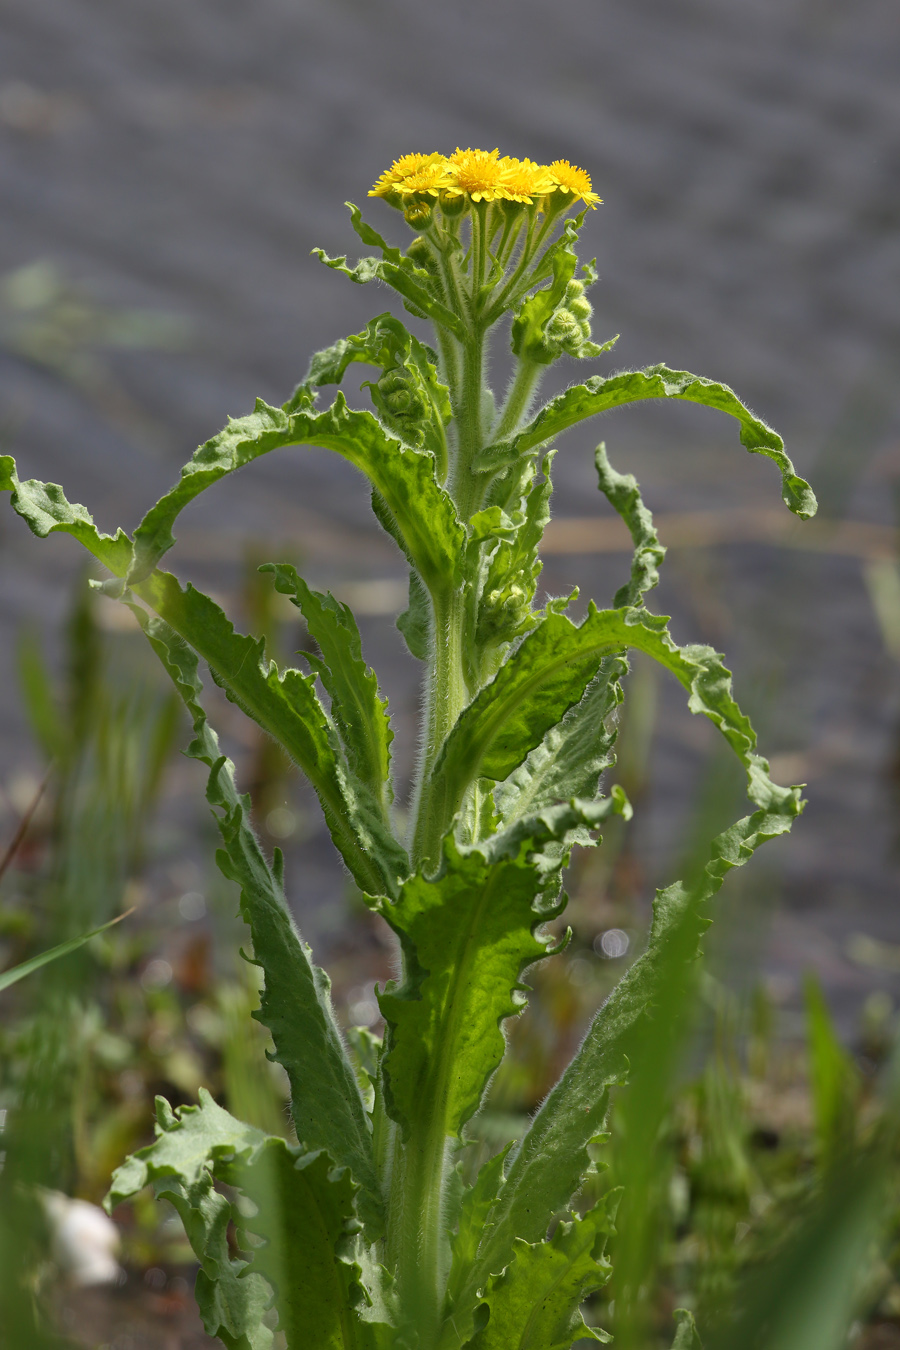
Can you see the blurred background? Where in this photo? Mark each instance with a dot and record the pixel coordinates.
(165, 171)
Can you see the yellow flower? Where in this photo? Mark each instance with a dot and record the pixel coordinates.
(524, 180)
(569, 178)
(478, 173)
(406, 167)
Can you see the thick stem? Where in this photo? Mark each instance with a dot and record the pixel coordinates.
(521, 392)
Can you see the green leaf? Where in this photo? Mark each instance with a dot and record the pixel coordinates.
(295, 1004)
(534, 1304)
(414, 284)
(415, 622)
(475, 1207)
(502, 572)
(421, 510)
(285, 704)
(624, 495)
(409, 397)
(360, 715)
(548, 1164)
(598, 395)
(529, 341)
(45, 510)
(834, 1078)
(548, 673)
(303, 1223)
(467, 934)
(550, 834)
(686, 1337)
(572, 755)
(16, 973)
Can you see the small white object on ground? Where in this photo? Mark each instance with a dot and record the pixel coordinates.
(84, 1240)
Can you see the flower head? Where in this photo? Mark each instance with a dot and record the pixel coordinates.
(569, 178)
(397, 177)
(479, 174)
(524, 180)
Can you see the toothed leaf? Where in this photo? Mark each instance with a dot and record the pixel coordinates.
(548, 1164)
(304, 1220)
(598, 395)
(534, 1304)
(360, 715)
(413, 283)
(422, 512)
(295, 1003)
(285, 704)
(467, 934)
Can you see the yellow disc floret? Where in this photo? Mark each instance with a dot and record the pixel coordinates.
(479, 174)
(569, 178)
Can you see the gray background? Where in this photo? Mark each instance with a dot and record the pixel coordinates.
(186, 158)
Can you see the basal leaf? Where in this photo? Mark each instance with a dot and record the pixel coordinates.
(467, 935)
(548, 1164)
(534, 1304)
(295, 1004)
(599, 394)
(413, 283)
(422, 511)
(303, 1225)
(360, 715)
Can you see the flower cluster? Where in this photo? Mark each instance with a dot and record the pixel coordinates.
(483, 176)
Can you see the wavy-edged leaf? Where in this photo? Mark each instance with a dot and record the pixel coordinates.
(303, 1226)
(422, 511)
(413, 283)
(285, 704)
(551, 833)
(474, 1209)
(295, 1004)
(409, 397)
(534, 1304)
(599, 394)
(527, 334)
(548, 1164)
(45, 510)
(360, 715)
(548, 673)
(573, 754)
(502, 571)
(623, 494)
(467, 935)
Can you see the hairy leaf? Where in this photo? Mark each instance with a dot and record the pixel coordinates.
(409, 397)
(285, 704)
(624, 495)
(421, 510)
(548, 1164)
(534, 1304)
(599, 394)
(360, 715)
(295, 1004)
(303, 1222)
(413, 283)
(45, 510)
(474, 1209)
(467, 935)
(549, 672)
